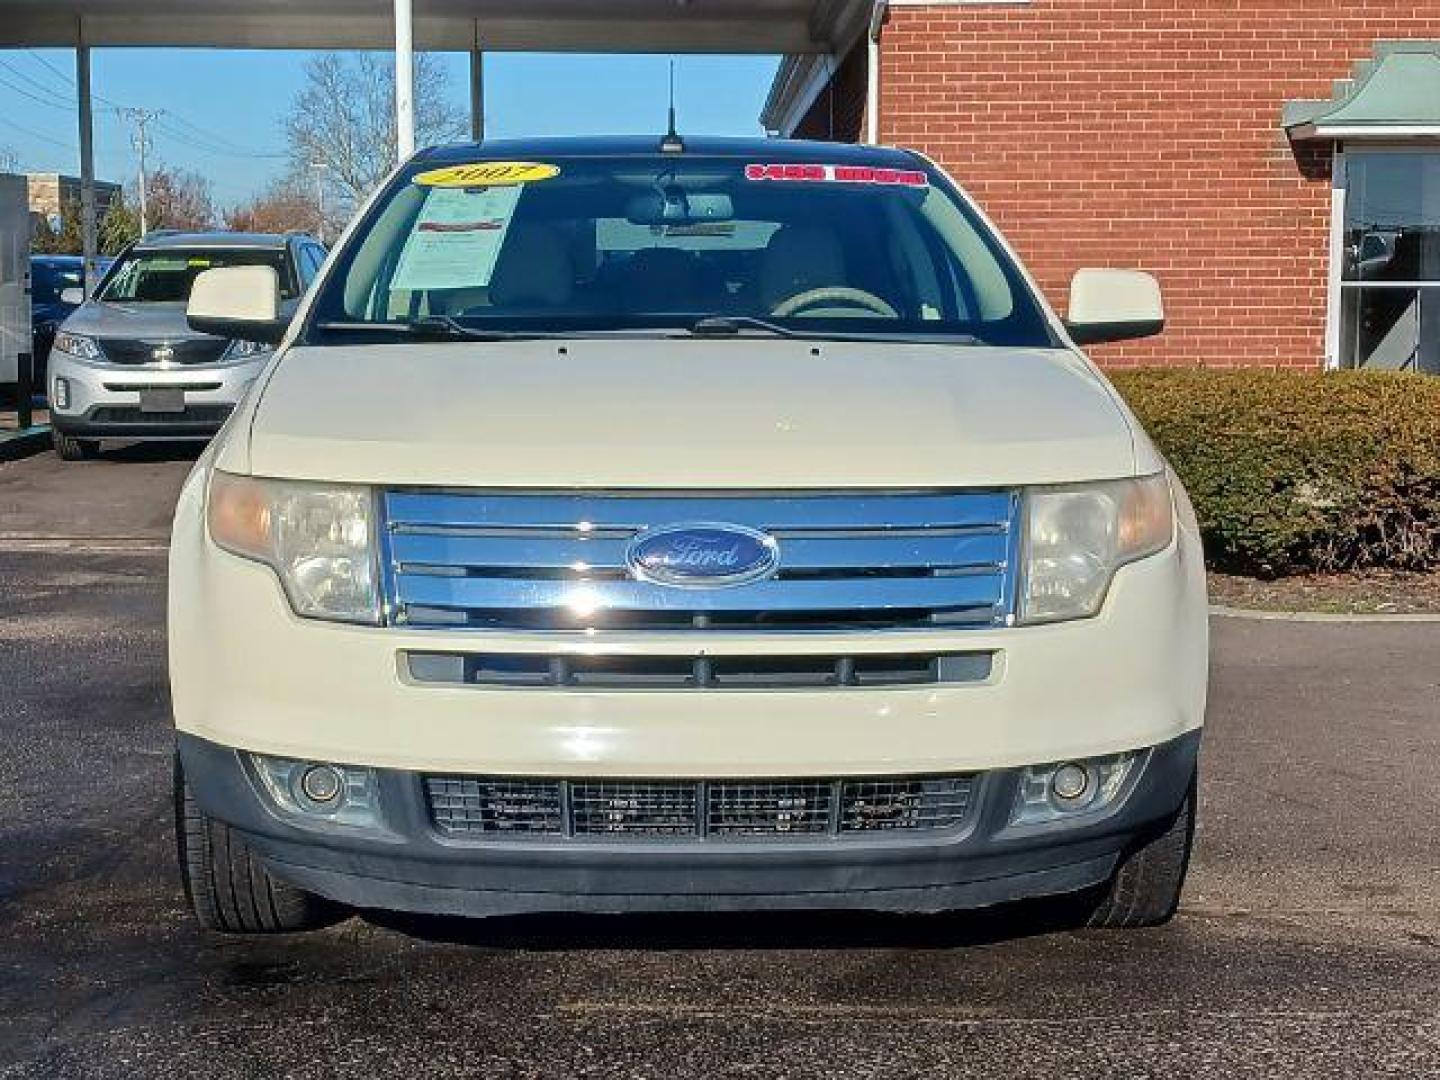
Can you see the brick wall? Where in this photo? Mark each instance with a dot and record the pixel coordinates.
(1146, 133)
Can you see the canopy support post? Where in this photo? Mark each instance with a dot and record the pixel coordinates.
(89, 243)
(404, 80)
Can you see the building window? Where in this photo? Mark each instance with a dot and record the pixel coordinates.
(1390, 272)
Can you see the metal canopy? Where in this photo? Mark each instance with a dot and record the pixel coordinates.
(793, 27)
(740, 26)
(1394, 96)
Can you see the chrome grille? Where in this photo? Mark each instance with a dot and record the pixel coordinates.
(497, 808)
(559, 562)
(133, 351)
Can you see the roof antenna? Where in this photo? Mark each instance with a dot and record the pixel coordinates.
(672, 143)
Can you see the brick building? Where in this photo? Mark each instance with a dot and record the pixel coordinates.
(51, 193)
(1276, 165)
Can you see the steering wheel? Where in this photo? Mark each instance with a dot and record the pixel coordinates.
(834, 294)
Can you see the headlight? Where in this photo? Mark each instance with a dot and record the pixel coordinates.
(1076, 537)
(247, 350)
(318, 538)
(76, 345)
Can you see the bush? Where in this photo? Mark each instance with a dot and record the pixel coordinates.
(1294, 472)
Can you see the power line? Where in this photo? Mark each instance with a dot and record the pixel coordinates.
(67, 79)
(211, 144)
(63, 106)
(37, 135)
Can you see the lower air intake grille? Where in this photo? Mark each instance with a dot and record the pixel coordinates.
(625, 809)
(688, 810)
(883, 805)
(131, 414)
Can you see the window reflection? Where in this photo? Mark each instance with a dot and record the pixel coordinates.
(1390, 306)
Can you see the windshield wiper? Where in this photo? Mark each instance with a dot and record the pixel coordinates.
(727, 325)
(432, 326)
(730, 325)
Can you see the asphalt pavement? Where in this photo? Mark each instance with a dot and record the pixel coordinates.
(1308, 943)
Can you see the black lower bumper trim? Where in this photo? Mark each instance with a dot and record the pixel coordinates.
(117, 422)
(413, 867)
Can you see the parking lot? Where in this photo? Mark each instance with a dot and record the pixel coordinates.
(1309, 941)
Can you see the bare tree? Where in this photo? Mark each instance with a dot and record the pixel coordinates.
(344, 118)
(286, 205)
(177, 199)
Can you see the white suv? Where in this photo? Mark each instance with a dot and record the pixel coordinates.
(628, 528)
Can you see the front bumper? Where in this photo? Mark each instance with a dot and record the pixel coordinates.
(411, 866)
(104, 400)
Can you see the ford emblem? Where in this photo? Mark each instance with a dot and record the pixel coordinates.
(703, 556)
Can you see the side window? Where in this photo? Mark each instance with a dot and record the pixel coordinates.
(308, 260)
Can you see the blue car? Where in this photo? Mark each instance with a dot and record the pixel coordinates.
(50, 276)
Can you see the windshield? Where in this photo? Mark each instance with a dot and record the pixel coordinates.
(49, 279)
(658, 242)
(165, 277)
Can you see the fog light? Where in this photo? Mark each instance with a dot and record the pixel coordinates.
(1070, 790)
(1070, 782)
(321, 783)
(315, 794)
(61, 394)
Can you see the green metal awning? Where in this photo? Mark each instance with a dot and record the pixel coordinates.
(1395, 95)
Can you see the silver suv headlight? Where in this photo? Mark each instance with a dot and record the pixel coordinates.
(1078, 535)
(318, 538)
(77, 345)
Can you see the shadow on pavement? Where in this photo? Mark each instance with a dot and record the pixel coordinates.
(137, 452)
(747, 930)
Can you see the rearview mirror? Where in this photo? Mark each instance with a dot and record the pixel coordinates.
(238, 302)
(72, 296)
(1114, 305)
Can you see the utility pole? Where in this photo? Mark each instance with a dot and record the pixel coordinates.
(140, 118)
(320, 168)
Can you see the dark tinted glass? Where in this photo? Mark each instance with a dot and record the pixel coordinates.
(1392, 217)
(166, 276)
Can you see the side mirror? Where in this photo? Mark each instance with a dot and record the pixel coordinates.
(1114, 305)
(72, 296)
(238, 302)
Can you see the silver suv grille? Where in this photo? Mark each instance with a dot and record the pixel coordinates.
(499, 808)
(560, 562)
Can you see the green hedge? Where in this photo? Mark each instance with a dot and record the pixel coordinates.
(1294, 472)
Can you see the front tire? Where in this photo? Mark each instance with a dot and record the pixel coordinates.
(228, 886)
(69, 448)
(1145, 891)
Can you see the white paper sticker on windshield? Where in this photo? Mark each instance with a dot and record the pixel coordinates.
(457, 238)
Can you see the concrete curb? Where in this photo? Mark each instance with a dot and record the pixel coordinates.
(23, 443)
(1221, 611)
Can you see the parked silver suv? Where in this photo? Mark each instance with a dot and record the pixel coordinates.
(126, 365)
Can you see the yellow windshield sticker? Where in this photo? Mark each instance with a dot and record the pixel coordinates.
(487, 174)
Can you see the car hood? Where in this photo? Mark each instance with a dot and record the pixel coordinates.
(665, 413)
(150, 321)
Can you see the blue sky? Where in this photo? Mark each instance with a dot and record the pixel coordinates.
(224, 108)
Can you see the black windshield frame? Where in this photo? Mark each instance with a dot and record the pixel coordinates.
(330, 321)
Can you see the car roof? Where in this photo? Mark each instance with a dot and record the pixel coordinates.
(165, 240)
(58, 260)
(750, 149)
